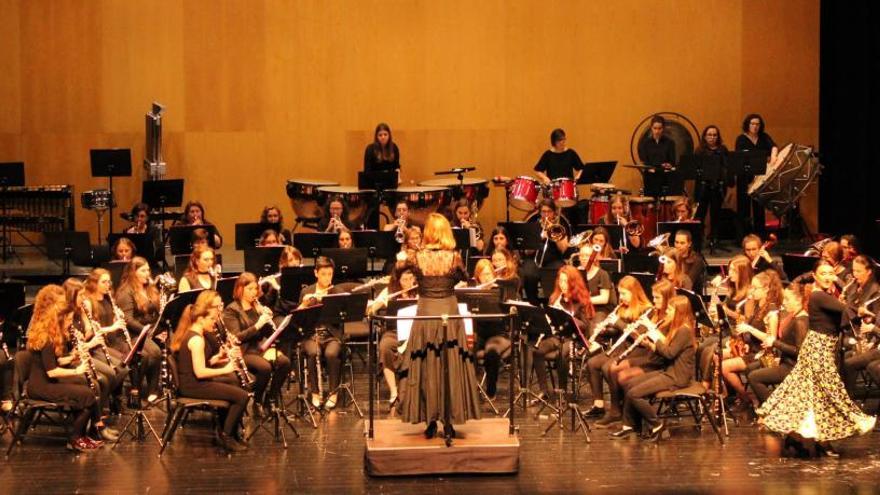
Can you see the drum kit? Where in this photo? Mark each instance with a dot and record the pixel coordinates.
(525, 192)
(309, 198)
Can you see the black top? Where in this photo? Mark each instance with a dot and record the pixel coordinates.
(136, 319)
(374, 164)
(793, 335)
(186, 375)
(325, 221)
(556, 165)
(41, 386)
(859, 295)
(680, 354)
(335, 330)
(708, 151)
(578, 311)
(437, 277)
(826, 313)
(695, 267)
(602, 280)
(765, 142)
(656, 153)
(242, 325)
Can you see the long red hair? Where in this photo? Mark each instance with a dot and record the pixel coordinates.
(577, 289)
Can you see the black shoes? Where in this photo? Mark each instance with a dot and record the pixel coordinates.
(431, 430)
(656, 432)
(609, 419)
(229, 444)
(594, 412)
(623, 432)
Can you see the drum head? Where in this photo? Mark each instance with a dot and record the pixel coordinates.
(640, 199)
(468, 181)
(602, 187)
(305, 197)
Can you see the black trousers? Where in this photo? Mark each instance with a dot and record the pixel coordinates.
(637, 405)
(709, 196)
(561, 349)
(853, 363)
(331, 350)
(750, 212)
(874, 370)
(761, 379)
(261, 368)
(495, 348)
(217, 390)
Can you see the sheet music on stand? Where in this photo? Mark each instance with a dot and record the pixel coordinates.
(268, 341)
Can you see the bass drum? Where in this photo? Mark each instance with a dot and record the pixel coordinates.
(787, 177)
(357, 201)
(306, 198)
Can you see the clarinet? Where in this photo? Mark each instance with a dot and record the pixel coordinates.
(238, 365)
(94, 323)
(4, 348)
(86, 358)
(592, 346)
(120, 316)
(629, 331)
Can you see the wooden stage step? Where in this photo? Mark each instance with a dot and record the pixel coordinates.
(400, 449)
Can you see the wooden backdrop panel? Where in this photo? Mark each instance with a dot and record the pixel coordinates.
(260, 91)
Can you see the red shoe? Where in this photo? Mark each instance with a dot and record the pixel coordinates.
(96, 444)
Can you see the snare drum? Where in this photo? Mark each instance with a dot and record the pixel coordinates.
(564, 192)
(305, 197)
(523, 193)
(642, 208)
(422, 201)
(474, 189)
(357, 201)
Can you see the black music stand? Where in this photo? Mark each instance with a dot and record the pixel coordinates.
(524, 235)
(750, 162)
(247, 235)
(311, 244)
(535, 328)
(547, 278)
(12, 298)
(488, 302)
(68, 246)
(564, 325)
(350, 264)
(303, 322)
(115, 268)
(594, 172)
(139, 418)
(111, 163)
(144, 244)
(226, 287)
(337, 310)
(797, 264)
(701, 313)
(293, 279)
(162, 194)
(610, 266)
(701, 168)
(379, 243)
(615, 231)
(11, 175)
(660, 182)
(380, 181)
(695, 229)
(262, 261)
(180, 237)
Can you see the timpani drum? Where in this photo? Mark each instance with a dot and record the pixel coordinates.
(523, 193)
(475, 189)
(422, 201)
(564, 191)
(357, 201)
(305, 197)
(642, 208)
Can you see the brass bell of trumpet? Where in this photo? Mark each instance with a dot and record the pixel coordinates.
(634, 228)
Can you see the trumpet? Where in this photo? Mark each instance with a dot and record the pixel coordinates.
(335, 225)
(400, 233)
(641, 320)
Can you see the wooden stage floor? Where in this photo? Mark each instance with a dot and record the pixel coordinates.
(330, 459)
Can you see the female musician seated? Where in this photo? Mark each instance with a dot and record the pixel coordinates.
(761, 312)
(248, 322)
(682, 210)
(504, 264)
(139, 301)
(672, 269)
(140, 219)
(203, 370)
(194, 214)
(602, 294)
(272, 214)
(327, 341)
(570, 295)
(738, 283)
(851, 248)
(401, 217)
(640, 359)
(632, 304)
(550, 254)
(619, 214)
(692, 262)
(498, 239)
(793, 329)
(111, 373)
(862, 294)
(677, 349)
(602, 238)
(201, 273)
(402, 285)
(462, 213)
(48, 336)
(833, 254)
(269, 238)
(123, 250)
(345, 240)
(758, 256)
(335, 218)
(271, 287)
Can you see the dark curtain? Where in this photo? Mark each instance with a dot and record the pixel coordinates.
(849, 108)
